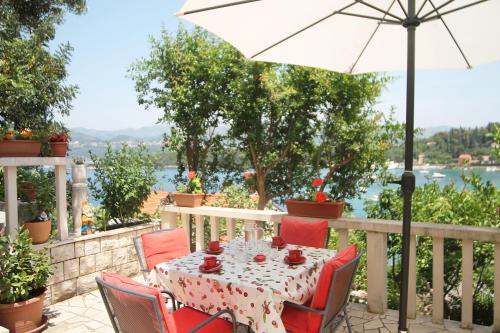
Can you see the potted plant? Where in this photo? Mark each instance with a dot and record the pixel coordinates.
(39, 228)
(18, 143)
(59, 144)
(23, 281)
(190, 194)
(315, 203)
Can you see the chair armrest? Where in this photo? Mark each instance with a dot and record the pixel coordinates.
(305, 308)
(171, 296)
(213, 317)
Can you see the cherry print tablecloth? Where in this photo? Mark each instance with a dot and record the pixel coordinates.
(254, 291)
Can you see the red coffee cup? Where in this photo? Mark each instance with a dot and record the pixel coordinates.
(294, 254)
(210, 262)
(277, 241)
(214, 246)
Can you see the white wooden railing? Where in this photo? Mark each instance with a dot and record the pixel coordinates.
(376, 252)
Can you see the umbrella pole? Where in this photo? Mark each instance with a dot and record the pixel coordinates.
(408, 178)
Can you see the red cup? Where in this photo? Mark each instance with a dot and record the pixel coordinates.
(277, 241)
(210, 262)
(294, 254)
(214, 246)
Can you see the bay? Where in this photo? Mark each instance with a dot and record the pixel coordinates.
(446, 176)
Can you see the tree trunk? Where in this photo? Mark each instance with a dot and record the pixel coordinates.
(261, 190)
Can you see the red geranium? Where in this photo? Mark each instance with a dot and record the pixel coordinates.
(317, 182)
(321, 197)
(58, 138)
(191, 174)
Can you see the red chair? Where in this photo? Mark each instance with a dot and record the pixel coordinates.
(305, 233)
(136, 308)
(160, 246)
(328, 306)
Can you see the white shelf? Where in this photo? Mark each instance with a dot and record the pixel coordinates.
(32, 161)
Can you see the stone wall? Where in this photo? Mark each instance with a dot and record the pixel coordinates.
(77, 262)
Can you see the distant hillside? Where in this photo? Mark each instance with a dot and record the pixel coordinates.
(430, 131)
(143, 133)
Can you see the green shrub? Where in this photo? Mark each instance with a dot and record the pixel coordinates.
(123, 179)
(23, 270)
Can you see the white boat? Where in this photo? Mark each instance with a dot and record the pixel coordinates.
(424, 171)
(438, 175)
(491, 169)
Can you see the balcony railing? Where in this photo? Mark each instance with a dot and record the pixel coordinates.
(376, 235)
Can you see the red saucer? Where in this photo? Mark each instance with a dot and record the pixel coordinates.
(219, 251)
(259, 258)
(279, 247)
(295, 262)
(211, 270)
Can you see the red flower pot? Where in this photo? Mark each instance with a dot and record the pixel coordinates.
(59, 149)
(327, 209)
(188, 199)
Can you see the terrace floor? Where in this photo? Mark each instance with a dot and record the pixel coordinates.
(86, 313)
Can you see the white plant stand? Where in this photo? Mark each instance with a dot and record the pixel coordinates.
(10, 165)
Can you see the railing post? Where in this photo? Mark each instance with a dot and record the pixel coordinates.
(231, 228)
(412, 280)
(200, 232)
(343, 238)
(61, 209)
(11, 216)
(467, 251)
(214, 228)
(168, 220)
(496, 310)
(276, 227)
(376, 254)
(186, 224)
(437, 280)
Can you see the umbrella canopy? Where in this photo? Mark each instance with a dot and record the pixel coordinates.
(353, 36)
(356, 36)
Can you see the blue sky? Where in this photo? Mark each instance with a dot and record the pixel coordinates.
(113, 34)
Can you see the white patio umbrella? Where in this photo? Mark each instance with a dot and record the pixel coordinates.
(358, 36)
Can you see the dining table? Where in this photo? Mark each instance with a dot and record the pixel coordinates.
(254, 291)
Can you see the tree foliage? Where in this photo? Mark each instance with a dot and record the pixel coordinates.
(33, 86)
(186, 76)
(474, 204)
(123, 180)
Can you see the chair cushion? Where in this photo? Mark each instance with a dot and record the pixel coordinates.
(164, 246)
(132, 285)
(306, 233)
(296, 320)
(187, 318)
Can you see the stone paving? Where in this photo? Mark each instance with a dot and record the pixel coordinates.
(86, 313)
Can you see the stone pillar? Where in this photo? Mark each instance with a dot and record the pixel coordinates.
(79, 195)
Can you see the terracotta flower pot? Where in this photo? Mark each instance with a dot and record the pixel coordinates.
(188, 199)
(29, 191)
(20, 148)
(39, 231)
(59, 149)
(24, 316)
(328, 209)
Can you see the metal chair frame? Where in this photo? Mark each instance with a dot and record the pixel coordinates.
(329, 325)
(159, 317)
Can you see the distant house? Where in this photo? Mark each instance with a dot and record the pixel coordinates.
(465, 159)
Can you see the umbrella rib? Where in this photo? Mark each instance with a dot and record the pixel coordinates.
(369, 40)
(452, 37)
(205, 9)
(302, 30)
(403, 8)
(452, 11)
(421, 7)
(435, 10)
(380, 10)
(379, 19)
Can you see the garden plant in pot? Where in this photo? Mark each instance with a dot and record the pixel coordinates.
(18, 143)
(39, 228)
(59, 144)
(23, 279)
(190, 194)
